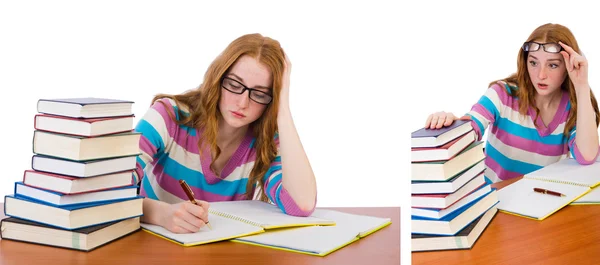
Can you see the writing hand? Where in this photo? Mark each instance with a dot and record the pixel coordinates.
(185, 217)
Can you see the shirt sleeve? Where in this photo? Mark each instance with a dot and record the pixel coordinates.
(574, 150)
(154, 127)
(488, 109)
(276, 191)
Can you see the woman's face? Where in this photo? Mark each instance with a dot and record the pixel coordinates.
(547, 71)
(239, 110)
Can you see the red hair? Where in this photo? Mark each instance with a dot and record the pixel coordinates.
(204, 113)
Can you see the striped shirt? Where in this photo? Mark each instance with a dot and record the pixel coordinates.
(169, 152)
(515, 146)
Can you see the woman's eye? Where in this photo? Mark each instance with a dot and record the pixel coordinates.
(533, 63)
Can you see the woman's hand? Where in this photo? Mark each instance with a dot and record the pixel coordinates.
(577, 67)
(439, 120)
(184, 217)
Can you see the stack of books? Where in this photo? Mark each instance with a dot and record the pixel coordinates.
(80, 192)
(451, 203)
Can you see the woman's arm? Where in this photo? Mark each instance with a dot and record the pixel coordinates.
(297, 175)
(586, 136)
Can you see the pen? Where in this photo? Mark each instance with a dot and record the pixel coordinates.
(549, 192)
(190, 195)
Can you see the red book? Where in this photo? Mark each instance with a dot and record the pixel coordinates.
(73, 185)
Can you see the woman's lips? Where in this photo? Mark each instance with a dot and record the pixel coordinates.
(237, 114)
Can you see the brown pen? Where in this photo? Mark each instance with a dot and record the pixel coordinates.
(549, 192)
(190, 195)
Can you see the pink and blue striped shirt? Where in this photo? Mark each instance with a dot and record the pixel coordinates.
(515, 146)
(169, 152)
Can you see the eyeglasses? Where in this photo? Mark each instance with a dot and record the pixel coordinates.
(551, 47)
(255, 95)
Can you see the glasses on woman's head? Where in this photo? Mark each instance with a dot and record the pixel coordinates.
(255, 95)
(551, 47)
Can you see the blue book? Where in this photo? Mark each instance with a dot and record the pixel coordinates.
(74, 216)
(85, 107)
(60, 199)
(453, 223)
(426, 137)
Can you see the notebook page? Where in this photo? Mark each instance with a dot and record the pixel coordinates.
(591, 197)
(520, 198)
(264, 214)
(222, 229)
(569, 170)
(320, 239)
(362, 224)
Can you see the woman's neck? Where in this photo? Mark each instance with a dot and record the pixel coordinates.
(227, 135)
(548, 101)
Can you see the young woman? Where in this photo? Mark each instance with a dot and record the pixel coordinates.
(232, 138)
(539, 114)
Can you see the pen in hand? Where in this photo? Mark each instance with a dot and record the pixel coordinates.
(549, 192)
(190, 195)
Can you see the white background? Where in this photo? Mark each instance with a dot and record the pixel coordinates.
(364, 75)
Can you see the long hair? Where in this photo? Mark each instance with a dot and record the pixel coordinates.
(526, 91)
(204, 113)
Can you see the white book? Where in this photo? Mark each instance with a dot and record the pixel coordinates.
(320, 240)
(82, 169)
(566, 177)
(450, 186)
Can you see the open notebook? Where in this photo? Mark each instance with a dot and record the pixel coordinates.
(236, 219)
(319, 240)
(565, 176)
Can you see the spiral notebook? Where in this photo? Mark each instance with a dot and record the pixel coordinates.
(566, 177)
(235, 219)
(320, 240)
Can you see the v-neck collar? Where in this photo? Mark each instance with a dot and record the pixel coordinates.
(544, 130)
(232, 163)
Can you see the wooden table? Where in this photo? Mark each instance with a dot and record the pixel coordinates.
(145, 249)
(569, 236)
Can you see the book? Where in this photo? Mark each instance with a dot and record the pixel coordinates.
(83, 169)
(61, 199)
(566, 176)
(232, 219)
(590, 198)
(445, 200)
(75, 185)
(84, 239)
(465, 239)
(83, 127)
(453, 223)
(319, 240)
(426, 137)
(71, 217)
(444, 170)
(439, 213)
(444, 152)
(85, 107)
(450, 186)
(80, 148)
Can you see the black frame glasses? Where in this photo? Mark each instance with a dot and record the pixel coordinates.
(550, 47)
(236, 87)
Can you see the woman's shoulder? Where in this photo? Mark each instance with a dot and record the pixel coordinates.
(504, 88)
